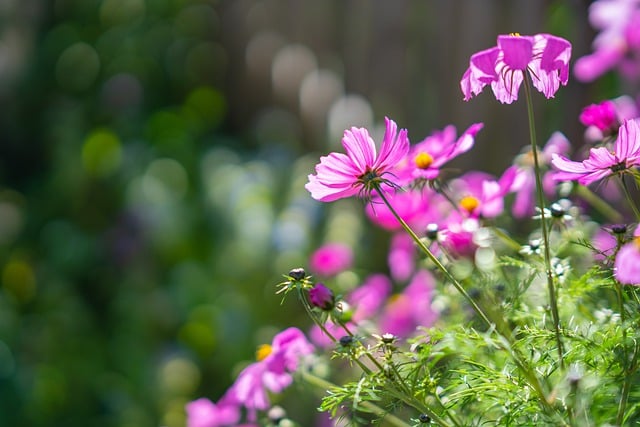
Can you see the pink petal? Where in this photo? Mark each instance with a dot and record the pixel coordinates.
(518, 51)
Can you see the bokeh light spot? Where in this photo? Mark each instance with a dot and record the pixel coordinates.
(116, 12)
(206, 107)
(77, 67)
(101, 153)
(179, 376)
(19, 280)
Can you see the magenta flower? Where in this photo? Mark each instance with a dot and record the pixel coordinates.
(322, 297)
(627, 265)
(544, 56)
(618, 42)
(402, 256)
(428, 156)
(362, 169)
(272, 372)
(602, 162)
(205, 413)
(603, 116)
(331, 259)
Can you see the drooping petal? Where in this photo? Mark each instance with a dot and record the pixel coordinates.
(517, 51)
(481, 71)
(555, 56)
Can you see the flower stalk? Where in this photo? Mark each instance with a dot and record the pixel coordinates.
(553, 303)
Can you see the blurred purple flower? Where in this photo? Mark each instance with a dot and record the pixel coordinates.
(205, 413)
(627, 265)
(402, 256)
(602, 162)
(524, 184)
(544, 56)
(602, 115)
(617, 44)
(341, 175)
(331, 259)
(272, 372)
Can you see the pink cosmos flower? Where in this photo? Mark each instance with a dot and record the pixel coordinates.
(524, 184)
(272, 372)
(627, 265)
(544, 56)
(602, 116)
(205, 413)
(427, 157)
(602, 162)
(481, 195)
(359, 171)
(604, 119)
(322, 297)
(331, 259)
(415, 207)
(617, 44)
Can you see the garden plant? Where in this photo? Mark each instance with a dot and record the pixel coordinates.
(470, 324)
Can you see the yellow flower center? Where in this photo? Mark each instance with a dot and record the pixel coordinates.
(263, 351)
(469, 203)
(636, 240)
(514, 34)
(423, 160)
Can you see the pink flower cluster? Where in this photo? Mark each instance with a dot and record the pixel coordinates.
(271, 373)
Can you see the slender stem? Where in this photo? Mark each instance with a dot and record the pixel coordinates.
(545, 230)
(390, 418)
(600, 205)
(518, 360)
(311, 314)
(626, 386)
(435, 260)
(627, 194)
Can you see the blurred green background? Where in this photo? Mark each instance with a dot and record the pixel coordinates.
(153, 155)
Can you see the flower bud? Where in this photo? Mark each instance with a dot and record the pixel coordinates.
(322, 297)
(297, 273)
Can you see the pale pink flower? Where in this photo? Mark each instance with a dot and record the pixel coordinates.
(479, 194)
(627, 265)
(618, 42)
(545, 57)
(204, 413)
(331, 259)
(602, 162)
(272, 372)
(362, 169)
(427, 157)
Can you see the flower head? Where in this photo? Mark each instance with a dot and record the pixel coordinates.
(362, 169)
(602, 116)
(322, 297)
(427, 157)
(602, 162)
(272, 372)
(204, 413)
(544, 56)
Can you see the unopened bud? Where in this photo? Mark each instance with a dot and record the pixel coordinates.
(322, 297)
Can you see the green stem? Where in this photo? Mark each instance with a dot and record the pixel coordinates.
(518, 360)
(389, 418)
(626, 386)
(630, 200)
(545, 231)
(435, 260)
(598, 204)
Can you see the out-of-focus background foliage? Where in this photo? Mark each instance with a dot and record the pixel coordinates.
(153, 155)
